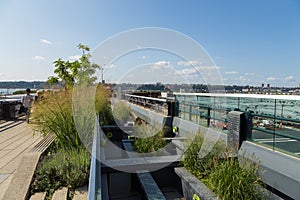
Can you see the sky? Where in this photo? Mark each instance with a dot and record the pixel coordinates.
(248, 42)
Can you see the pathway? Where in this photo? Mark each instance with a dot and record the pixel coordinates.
(16, 138)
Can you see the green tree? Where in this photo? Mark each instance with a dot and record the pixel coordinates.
(70, 72)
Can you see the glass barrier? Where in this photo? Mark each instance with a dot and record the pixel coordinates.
(275, 122)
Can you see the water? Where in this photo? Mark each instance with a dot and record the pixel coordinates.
(6, 91)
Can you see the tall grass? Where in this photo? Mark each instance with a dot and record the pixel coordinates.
(148, 139)
(233, 180)
(197, 165)
(55, 114)
(228, 178)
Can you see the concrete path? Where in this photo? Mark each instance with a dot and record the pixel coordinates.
(16, 139)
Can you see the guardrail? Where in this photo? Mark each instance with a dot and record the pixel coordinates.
(95, 192)
(155, 104)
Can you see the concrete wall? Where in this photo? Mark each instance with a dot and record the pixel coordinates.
(149, 116)
(185, 127)
(278, 170)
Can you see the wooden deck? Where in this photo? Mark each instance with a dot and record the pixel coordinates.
(16, 139)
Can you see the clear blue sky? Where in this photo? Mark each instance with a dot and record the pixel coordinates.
(252, 42)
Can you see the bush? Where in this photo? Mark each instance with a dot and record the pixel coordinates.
(64, 168)
(148, 139)
(121, 112)
(197, 165)
(53, 115)
(231, 180)
(223, 174)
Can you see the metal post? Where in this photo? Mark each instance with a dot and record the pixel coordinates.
(208, 117)
(274, 122)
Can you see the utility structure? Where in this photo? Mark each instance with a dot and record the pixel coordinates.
(102, 71)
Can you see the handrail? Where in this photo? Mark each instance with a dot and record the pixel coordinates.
(278, 133)
(148, 98)
(277, 118)
(94, 192)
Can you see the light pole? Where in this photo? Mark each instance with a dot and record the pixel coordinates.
(102, 69)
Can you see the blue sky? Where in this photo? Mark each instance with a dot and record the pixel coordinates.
(251, 42)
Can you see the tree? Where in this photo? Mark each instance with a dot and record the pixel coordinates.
(70, 72)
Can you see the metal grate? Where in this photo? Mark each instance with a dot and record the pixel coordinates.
(43, 144)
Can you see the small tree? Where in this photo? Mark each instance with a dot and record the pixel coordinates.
(70, 72)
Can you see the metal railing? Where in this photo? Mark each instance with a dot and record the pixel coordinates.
(155, 104)
(274, 121)
(95, 192)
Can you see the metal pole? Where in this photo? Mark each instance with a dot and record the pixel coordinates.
(274, 124)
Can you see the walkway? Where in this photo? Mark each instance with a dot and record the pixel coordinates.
(16, 138)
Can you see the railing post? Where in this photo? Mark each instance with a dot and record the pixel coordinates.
(208, 116)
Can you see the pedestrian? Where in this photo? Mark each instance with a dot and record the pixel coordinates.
(27, 103)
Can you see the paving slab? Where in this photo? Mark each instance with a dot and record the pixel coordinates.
(60, 194)
(81, 193)
(15, 142)
(23, 177)
(4, 185)
(38, 196)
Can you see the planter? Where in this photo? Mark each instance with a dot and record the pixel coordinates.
(192, 186)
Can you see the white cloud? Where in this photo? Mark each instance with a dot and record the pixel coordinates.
(249, 74)
(162, 65)
(189, 63)
(271, 79)
(144, 57)
(74, 57)
(232, 72)
(289, 78)
(45, 41)
(39, 58)
(193, 70)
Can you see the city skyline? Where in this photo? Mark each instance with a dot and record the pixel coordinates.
(250, 42)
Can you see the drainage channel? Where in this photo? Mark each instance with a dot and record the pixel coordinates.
(144, 184)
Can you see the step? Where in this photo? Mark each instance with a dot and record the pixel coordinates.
(60, 194)
(81, 193)
(38, 196)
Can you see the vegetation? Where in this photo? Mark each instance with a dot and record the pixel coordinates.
(121, 111)
(79, 71)
(222, 173)
(63, 168)
(22, 92)
(197, 165)
(231, 180)
(148, 139)
(53, 115)
(69, 114)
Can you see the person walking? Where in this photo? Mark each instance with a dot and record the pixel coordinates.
(27, 103)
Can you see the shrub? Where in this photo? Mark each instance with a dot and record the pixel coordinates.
(54, 115)
(222, 173)
(121, 111)
(231, 180)
(148, 139)
(63, 168)
(197, 165)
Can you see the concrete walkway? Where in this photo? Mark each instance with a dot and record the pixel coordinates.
(16, 139)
